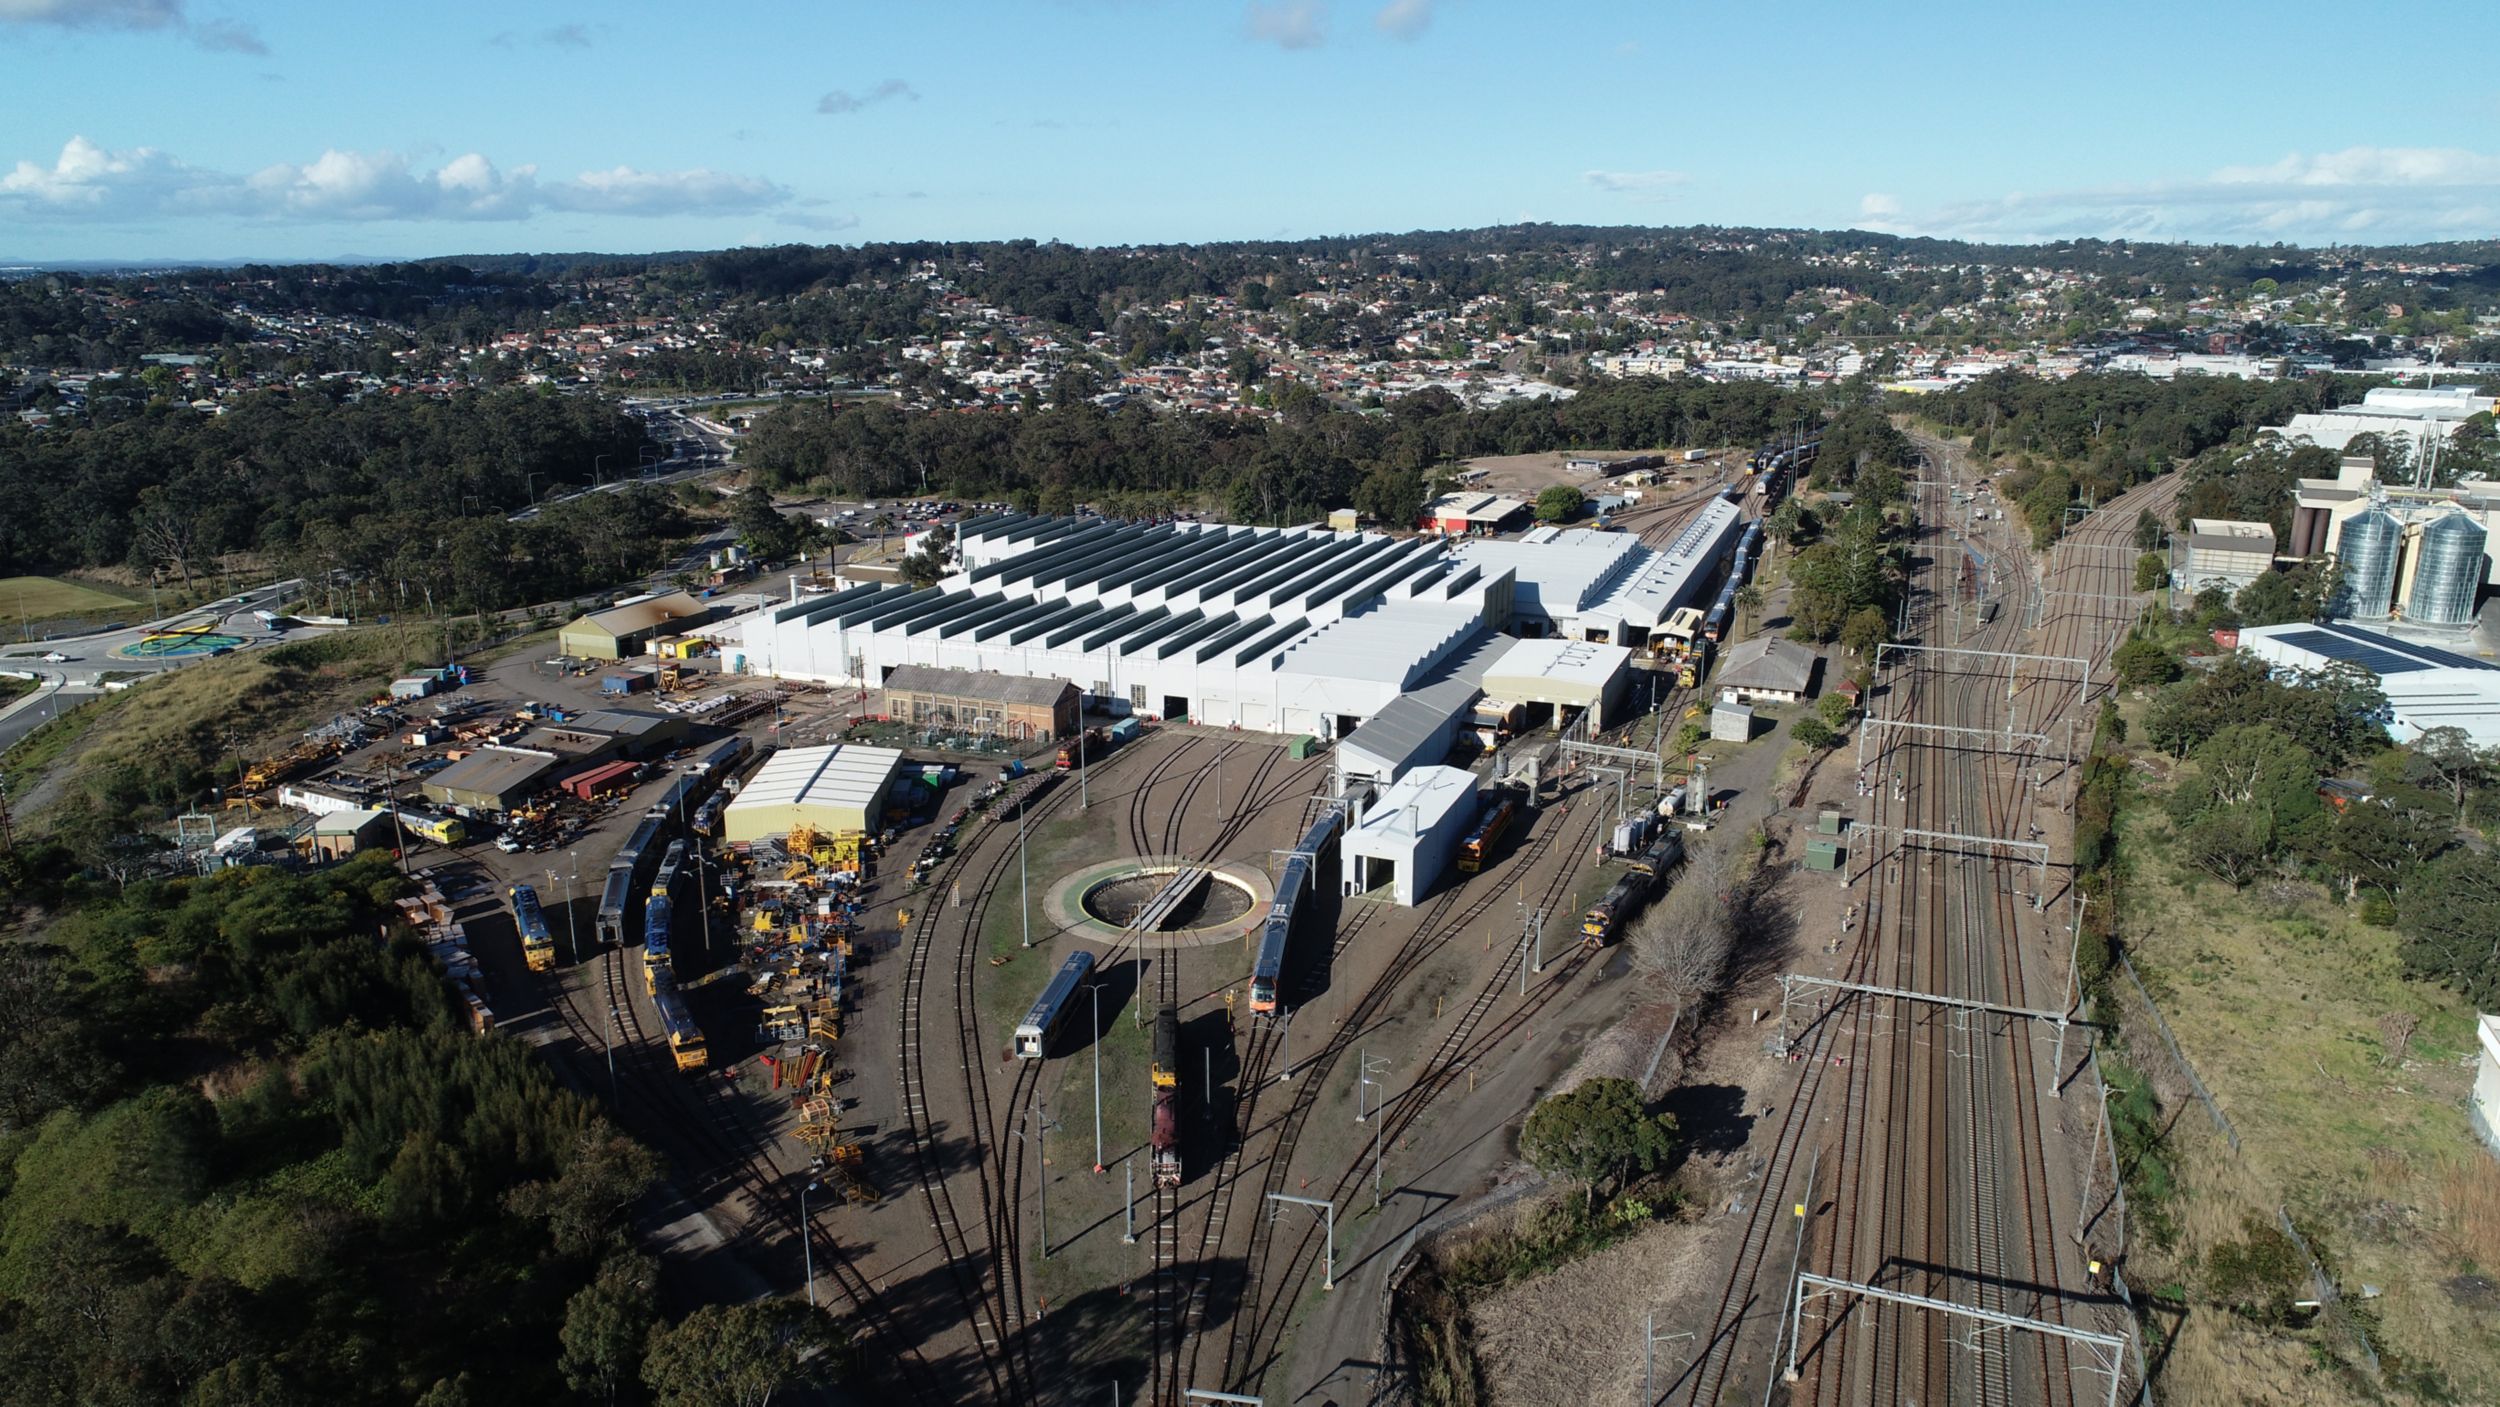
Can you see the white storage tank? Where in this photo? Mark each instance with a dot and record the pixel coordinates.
(2448, 572)
(2367, 552)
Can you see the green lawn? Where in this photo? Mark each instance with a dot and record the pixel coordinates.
(33, 600)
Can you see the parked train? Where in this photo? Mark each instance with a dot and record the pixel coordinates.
(1040, 1026)
(538, 941)
(1604, 922)
(685, 1038)
(656, 972)
(1267, 969)
(1166, 1136)
(1490, 824)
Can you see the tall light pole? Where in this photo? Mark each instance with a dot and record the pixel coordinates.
(1328, 1275)
(595, 461)
(607, 1037)
(1096, 989)
(807, 1238)
(572, 896)
(1379, 1126)
(1024, 895)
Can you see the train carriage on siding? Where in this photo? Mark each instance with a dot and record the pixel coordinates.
(685, 1038)
(656, 972)
(1473, 851)
(1167, 1067)
(1268, 967)
(1040, 1026)
(538, 941)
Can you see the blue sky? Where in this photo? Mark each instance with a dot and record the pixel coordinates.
(220, 129)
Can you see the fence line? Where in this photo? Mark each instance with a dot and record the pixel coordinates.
(2330, 1302)
(2203, 1095)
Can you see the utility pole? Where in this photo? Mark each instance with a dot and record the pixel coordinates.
(572, 898)
(1284, 1045)
(1041, 1176)
(390, 788)
(607, 1038)
(1328, 1280)
(1084, 791)
(1379, 1125)
(1128, 1202)
(807, 1239)
(1096, 989)
(1362, 1082)
(1649, 1356)
(2092, 1166)
(1024, 896)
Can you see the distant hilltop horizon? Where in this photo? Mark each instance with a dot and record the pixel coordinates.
(1534, 234)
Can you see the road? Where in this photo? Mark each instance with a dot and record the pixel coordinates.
(69, 682)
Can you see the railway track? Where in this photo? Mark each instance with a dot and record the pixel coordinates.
(1276, 1274)
(1938, 1149)
(988, 1277)
(710, 1142)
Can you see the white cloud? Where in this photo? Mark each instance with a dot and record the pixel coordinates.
(1648, 183)
(86, 182)
(626, 191)
(563, 36)
(1878, 206)
(89, 183)
(1287, 24)
(348, 185)
(841, 101)
(226, 36)
(2391, 194)
(1404, 19)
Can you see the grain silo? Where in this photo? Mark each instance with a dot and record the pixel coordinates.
(2447, 572)
(2366, 551)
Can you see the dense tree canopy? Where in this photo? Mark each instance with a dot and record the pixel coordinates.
(303, 1181)
(402, 495)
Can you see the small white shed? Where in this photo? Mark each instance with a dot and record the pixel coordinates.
(1409, 835)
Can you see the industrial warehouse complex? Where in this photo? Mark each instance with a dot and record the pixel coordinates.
(1295, 630)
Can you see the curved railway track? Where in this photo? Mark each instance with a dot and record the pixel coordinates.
(715, 1143)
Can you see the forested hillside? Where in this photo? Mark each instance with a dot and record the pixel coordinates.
(253, 1156)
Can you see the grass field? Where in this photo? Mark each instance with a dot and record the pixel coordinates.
(2282, 1000)
(169, 739)
(34, 600)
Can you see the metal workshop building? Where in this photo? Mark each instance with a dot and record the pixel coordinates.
(1019, 706)
(1563, 674)
(339, 834)
(493, 778)
(1608, 587)
(832, 789)
(1409, 835)
(2224, 552)
(622, 632)
(1268, 630)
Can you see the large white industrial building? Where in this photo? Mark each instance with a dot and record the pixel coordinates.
(1288, 630)
(2426, 687)
(2419, 415)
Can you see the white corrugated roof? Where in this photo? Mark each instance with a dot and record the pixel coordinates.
(1384, 645)
(1580, 662)
(847, 774)
(1433, 792)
